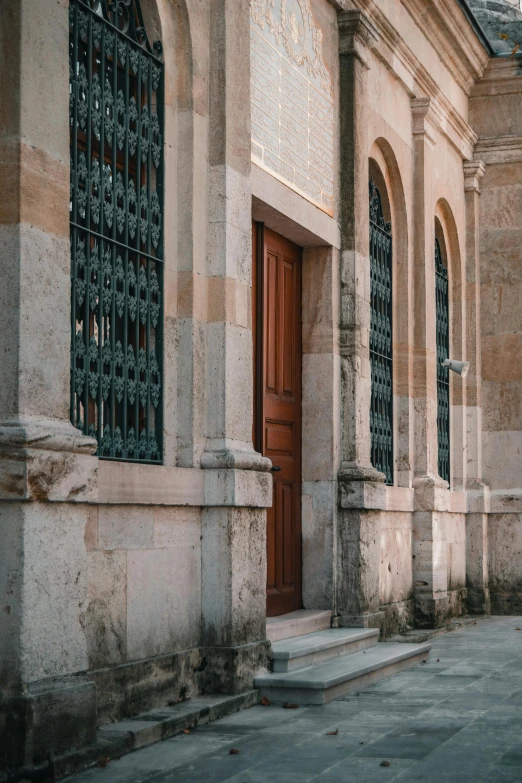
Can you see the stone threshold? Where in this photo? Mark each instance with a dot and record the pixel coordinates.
(117, 739)
(419, 635)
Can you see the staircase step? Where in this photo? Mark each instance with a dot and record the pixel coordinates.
(297, 623)
(326, 681)
(313, 648)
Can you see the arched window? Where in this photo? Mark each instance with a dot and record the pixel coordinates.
(381, 410)
(116, 207)
(442, 336)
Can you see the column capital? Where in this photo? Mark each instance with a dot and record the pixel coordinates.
(357, 34)
(425, 118)
(474, 170)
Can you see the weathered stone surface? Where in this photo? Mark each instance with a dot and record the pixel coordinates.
(163, 600)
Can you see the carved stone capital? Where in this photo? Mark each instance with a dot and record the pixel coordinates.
(357, 34)
(474, 170)
(425, 119)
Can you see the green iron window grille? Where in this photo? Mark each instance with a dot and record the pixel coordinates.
(381, 410)
(116, 206)
(442, 336)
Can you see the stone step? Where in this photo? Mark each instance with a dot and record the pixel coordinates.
(312, 648)
(324, 682)
(117, 739)
(297, 623)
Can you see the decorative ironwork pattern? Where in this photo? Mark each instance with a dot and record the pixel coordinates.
(381, 411)
(116, 205)
(442, 336)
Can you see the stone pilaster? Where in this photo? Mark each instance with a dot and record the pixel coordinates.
(477, 574)
(358, 540)
(356, 36)
(237, 485)
(429, 547)
(44, 460)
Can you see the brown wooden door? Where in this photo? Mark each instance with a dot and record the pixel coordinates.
(277, 425)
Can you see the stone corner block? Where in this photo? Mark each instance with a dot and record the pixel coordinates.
(243, 488)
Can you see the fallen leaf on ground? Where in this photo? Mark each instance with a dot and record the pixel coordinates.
(289, 706)
(518, 629)
(233, 751)
(385, 763)
(186, 731)
(332, 733)
(265, 702)
(438, 659)
(103, 762)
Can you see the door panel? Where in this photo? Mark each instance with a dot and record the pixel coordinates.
(277, 315)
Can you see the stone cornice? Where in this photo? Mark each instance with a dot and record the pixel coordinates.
(499, 149)
(398, 58)
(448, 26)
(502, 76)
(450, 33)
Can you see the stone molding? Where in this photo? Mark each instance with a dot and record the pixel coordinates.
(235, 459)
(46, 460)
(456, 39)
(33, 432)
(499, 149)
(474, 170)
(416, 79)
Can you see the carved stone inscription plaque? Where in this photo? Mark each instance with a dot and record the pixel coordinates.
(291, 99)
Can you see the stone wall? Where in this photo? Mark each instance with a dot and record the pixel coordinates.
(125, 586)
(495, 114)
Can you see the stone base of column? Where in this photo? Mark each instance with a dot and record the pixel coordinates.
(232, 669)
(51, 718)
(370, 620)
(431, 612)
(479, 601)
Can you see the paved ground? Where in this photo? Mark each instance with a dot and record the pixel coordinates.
(457, 718)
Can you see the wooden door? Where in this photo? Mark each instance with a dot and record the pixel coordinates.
(277, 421)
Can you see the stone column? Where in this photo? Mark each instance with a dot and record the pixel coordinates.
(359, 481)
(356, 35)
(44, 461)
(477, 575)
(237, 486)
(429, 548)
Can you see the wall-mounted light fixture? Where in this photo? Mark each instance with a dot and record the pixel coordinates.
(461, 368)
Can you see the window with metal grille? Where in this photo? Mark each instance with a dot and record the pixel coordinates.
(381, 410)
(116, 206)
(442, 336)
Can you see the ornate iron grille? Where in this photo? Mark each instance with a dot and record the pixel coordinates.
(381, 411)
(442, 336)
(116, 206)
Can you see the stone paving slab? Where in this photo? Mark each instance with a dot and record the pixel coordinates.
(453, 720)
